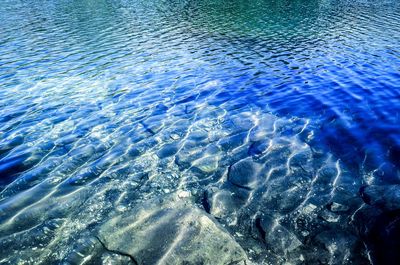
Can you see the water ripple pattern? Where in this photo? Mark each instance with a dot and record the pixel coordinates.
(199, 132)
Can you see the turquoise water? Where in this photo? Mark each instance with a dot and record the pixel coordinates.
(199, 132)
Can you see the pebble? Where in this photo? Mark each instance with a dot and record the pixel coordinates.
(337, 207)
(309, 208)
(183, 194)
(329, 217)
(175, 136)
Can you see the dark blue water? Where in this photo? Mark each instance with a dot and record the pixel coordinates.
(266, 117)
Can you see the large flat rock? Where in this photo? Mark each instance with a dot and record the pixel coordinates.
(170, 231)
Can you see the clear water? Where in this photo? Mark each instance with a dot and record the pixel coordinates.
(255, 112)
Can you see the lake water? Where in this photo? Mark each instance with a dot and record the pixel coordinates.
(199, 132)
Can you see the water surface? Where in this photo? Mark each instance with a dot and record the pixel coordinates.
(266, 117)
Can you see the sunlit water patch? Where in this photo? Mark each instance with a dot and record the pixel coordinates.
(199, 132)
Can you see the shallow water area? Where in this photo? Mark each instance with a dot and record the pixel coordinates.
(199, 132)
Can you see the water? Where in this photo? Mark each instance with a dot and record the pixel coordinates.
(149, 131)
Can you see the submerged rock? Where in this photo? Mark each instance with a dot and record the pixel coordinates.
(231, 142)
(384, 197)
(222, 203)
(168, 150)
(244, 173)
(84, 250)
(329, 216)
(337, 247)
(207, 164)
(258, 148)
(378, 222)
(276, 236)
(116, 259)
(337, 207)
(184, 194)
(382, 239)
(168, 231)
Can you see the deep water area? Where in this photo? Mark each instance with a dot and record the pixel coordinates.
(199, 132)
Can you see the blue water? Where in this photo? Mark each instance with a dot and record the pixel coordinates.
(108, 104)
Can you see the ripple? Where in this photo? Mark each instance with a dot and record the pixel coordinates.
(246, 129)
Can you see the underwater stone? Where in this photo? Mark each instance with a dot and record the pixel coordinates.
(302, 160)
(153, 124)
(189, 152)
(207, 164)
(184, 194)
(38, 236)
(116, 259)
(264, 129)
(244, 173)
(222, 203)
(328, 172)
(84, 250)
(337, 207)
(9, 144)
(384, 197)
(326, 175)
(284, 196)
(232, 142)
(236, 125)
(198, 136)
(276, 236)
(309, 208)
(339, 246)
(174, 136)
(278, 154)
(168, 150)
(133, 152)
(329, 216)
(380, 232)
(169, 231)
(258, 148)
